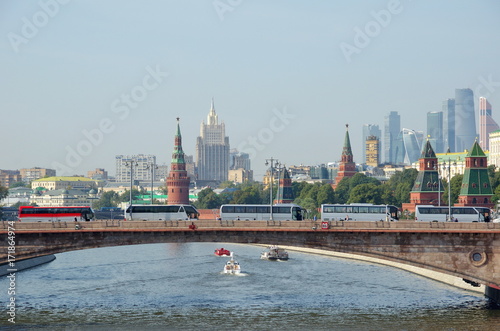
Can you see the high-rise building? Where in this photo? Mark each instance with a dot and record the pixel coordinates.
(369, 130)
(449, 125)
(465, 119)
(392, 127)
(239, 160)
(407, 147)
(486, 123)
(212, 149)
(372, 151)
(435, 130)
(141, 167)
(177, 180)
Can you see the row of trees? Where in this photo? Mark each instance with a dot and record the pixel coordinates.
(357, 189)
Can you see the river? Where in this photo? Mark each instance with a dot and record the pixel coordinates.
(181, 287)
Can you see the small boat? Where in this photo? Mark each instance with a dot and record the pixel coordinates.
(274, 253)
(232, 266)
(222, 252)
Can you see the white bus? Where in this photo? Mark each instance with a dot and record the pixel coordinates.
(281, 212)
(359, 212)
(429, 213)
(160, 212)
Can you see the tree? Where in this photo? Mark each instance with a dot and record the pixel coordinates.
(19, 184)
(366, 193)
(125, 196)
(207, 199)
(247, 195)
(107, 199)
(399, 187)
(3, 192)
(325, 195)
(456, 185)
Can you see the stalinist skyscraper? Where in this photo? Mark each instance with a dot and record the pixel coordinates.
(212, 149)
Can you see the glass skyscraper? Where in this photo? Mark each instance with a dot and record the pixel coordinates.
(435, 130)
(392, 127)
(465, 119)
(486, 123)
(449, 125)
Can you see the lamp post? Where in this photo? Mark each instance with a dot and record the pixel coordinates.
(152, 166)
(436, 167)
(131, 164)
(271, 161)
(449, 185)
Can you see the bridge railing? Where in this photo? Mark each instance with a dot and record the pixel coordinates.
(275, 224)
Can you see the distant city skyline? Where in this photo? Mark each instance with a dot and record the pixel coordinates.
(87, 80)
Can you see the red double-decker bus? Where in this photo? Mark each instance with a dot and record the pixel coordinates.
(55, 214)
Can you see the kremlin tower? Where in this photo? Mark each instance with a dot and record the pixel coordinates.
(476, 188)
(428, 188)
(285, 193)
(347, 167)
(177, 180)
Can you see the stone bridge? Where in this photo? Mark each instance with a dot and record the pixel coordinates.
(467, 250)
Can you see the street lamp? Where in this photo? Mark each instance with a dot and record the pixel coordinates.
(272, 162)
(131, 164)
(436, 167)
(449, 184)
(152, 166)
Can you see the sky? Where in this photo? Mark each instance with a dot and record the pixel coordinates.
(84, 81)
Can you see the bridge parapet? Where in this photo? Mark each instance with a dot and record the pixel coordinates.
(210, 224)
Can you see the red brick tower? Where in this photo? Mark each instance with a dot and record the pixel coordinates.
(347, 167)
(285, 192)
(476, 188)
(177, 180)
(427, 189)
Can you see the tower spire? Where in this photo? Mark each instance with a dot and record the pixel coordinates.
(212, 118)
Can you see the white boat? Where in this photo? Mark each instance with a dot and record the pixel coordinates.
(274, 253)
(232, 266)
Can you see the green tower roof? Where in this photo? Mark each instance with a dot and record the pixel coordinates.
(346, 150)
(476, 151)
(427, 151)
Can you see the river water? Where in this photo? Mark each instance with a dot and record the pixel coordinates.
(181, 287)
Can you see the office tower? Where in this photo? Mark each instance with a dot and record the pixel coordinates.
(435, 130)
(465, 119)
(369, 130)
(177, 180)
(449, 125)
(238, 160)
(392, 127)
(407, 147)
(486, 123)
(372, 151)
(141, 167)
(212, 149)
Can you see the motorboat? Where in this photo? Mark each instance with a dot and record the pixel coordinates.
(222, 252)
(274, 253)
(232, 266)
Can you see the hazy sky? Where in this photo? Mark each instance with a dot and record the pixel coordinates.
(83, 81)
